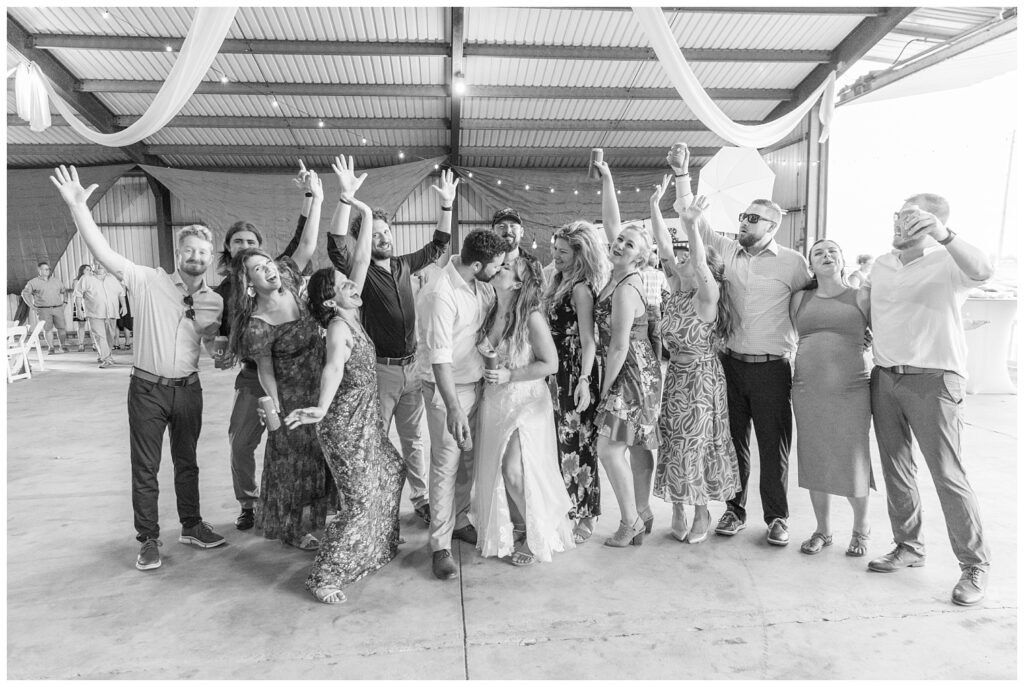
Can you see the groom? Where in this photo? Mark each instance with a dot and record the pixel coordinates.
(451, 309)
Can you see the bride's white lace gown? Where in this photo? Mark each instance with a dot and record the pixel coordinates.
(523, 407)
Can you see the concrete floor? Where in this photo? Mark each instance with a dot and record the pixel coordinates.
(728, 608)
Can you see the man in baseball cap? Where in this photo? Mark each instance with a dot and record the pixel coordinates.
(509, 225)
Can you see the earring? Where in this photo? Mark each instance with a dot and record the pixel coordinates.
(250, 292)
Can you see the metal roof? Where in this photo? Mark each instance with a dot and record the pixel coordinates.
(543, 85)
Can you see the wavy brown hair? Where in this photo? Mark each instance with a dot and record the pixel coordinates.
(589, 262)
(243, 305)
(525, 300)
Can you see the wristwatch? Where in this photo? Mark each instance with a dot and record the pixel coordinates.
(950, 237)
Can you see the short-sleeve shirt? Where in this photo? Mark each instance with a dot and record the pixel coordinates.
(654, 283)
(451, 314)
(760, 288)
(167, 343)
(112, 290)
(94, 297)
(44, 293)
(916, 311)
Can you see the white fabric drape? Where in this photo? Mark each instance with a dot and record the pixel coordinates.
(209, 27)
(30, 96)
(653, 22)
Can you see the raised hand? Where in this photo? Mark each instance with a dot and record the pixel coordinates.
(679, 158)
(925, 223)
(302, 178)
(449, 185)
(691, 215)
(70, 187)
(304, 416)
(603, 169)
(659, 190)
(345, 170)
(315, 185)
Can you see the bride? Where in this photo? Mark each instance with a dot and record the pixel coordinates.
(521, 505)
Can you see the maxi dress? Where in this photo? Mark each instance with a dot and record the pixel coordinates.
(831, 396)
(370, 472)
(522, 409)
(294, 472)
(576, 432)
(697, 459)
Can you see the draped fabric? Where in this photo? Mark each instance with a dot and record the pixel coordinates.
(653, 22)
(31, 97)
(39, 225)
(209, 27)
(272, 201)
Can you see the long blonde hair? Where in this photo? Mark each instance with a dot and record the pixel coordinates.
(525, 300)
(589, 263)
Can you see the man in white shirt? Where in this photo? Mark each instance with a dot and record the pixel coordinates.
(451, 308)
(918, 385)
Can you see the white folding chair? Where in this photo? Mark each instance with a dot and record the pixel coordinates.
(17, 354)
(33, 342)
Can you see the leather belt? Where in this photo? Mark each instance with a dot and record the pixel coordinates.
(911, 370)
(165, 381)
(747, 358)
(397, 361)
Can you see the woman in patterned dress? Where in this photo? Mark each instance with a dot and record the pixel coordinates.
(697, 461)
(366, 466)
(630, 400)
(581, 270)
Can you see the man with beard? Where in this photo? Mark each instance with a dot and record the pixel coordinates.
(174, 314)
(762, 277)
(508, 224)
(452, 307)
(389, 317)
(46, 295)
(918, 385)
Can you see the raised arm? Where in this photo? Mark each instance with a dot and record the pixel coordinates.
(446, 192)
(302, 181)
(707, 288)
(660, 229)
(971, 261)
(76, 197)
(361, 257)
(307, 243)
(339, 248)
(609, 203)
(679, 160)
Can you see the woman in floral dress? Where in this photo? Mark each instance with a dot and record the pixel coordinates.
(696, 461)
(581, 270)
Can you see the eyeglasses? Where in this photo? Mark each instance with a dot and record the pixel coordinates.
(754, 218)
(190, 312)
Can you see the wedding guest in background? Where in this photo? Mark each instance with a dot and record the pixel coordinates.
(45, 295)
(78, 315)
(859, 276)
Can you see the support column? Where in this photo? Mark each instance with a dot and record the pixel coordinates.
(816, 180)
(164, 228)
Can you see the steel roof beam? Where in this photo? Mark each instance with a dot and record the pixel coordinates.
(571, 153)
(852, 48)
(68, 87)
(587, 125)
(621, 93)
(855, 11)
(458, 34)
(624, 53)
(330, 123)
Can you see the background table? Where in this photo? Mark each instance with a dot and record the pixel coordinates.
(988, 344)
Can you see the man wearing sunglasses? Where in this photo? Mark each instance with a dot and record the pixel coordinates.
(762, 277)
(174, 313)
(919, 382)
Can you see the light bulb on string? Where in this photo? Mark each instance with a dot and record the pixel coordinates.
(470, 175)
(276, 104)
(223, 78)
(598, 193)
(534, 244)
(401, 155)
(436, 167)
(168, 48)
(551, 190)
(499, 182)
(527, 187)
(320, 124)
(106, 14)
(364, 140)
(575, 192)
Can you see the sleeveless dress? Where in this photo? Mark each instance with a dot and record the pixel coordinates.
(364, 536)
(630, 411)
(294, 472)
(523, 408)
(576, 432)
(831, 396)
(697, 460)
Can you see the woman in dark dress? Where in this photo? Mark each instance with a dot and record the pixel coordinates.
(581, 270)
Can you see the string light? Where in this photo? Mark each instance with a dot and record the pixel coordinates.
(499, 182)
(168, 48)
(320, 124)
(223, 78)
(470, 175)
(527, 187)
(638, 190)
(598, 193)
(276, 104)
(437, 166)
(534, 244)
(106, 14)
(575, 192)
(551, 190)
(364, 139)
(401, 155)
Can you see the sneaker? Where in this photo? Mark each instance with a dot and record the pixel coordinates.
(778, 533)
(971, 587)
(729, 525)
(149, 555)
(900, 557)
(245, 520)
(423, 510)
(57, 351)
(202, 535)
(106, 363)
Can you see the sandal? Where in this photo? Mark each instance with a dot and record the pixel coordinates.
(522, 556)
(816, 543)
(583, 530)
(329, 595)
(307, 543)
(857, 545)
(679, 522)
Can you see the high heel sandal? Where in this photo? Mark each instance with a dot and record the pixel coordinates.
(648, 518)
(678, 522)
(627, 534)
(858, 544)
(696, 536)
(583, 530)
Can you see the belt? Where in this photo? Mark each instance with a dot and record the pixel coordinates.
(911, 370)
(397, 361)
(51, 306)
(744, 357)
(165, 381)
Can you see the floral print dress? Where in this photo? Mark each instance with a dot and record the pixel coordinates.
(629, 413)
(575, 431)
(368, 469)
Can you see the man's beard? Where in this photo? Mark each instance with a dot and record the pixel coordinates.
(480, 276)
(194, 268)
(512, 240)
(747, 240)
(377, 254)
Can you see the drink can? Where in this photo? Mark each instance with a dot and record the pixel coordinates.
(271, 418)
(596, 155)
(220, 345)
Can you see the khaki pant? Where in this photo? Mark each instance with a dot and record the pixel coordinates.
(931, 407)
(98, 327)
(401, 398)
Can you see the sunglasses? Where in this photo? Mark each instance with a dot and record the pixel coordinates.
(754, 218)
(190, 312)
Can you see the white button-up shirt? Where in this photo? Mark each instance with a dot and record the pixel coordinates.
(450, 314)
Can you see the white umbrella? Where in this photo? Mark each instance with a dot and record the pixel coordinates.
(733, 178)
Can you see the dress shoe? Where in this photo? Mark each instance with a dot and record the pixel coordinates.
(245, 520)
(466, 534)
(971, 587)
(444, 565)
(678, 522)
(627, 534)
(900, 557)
(778, 535)
(729, 524)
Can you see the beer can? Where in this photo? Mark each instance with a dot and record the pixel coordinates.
(271, 418)
(596, 155)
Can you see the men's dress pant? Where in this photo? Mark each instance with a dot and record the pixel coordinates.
(152, 408)
(401, 398)
(110, 324)
(451, 469)
(244, 434)
(98, 327)
(760, 392)
(931, 407)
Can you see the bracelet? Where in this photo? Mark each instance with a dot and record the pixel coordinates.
(308, 195)
(446, 209)
(945, 241)
(346, 202)
(680, 176)
(584, 378)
